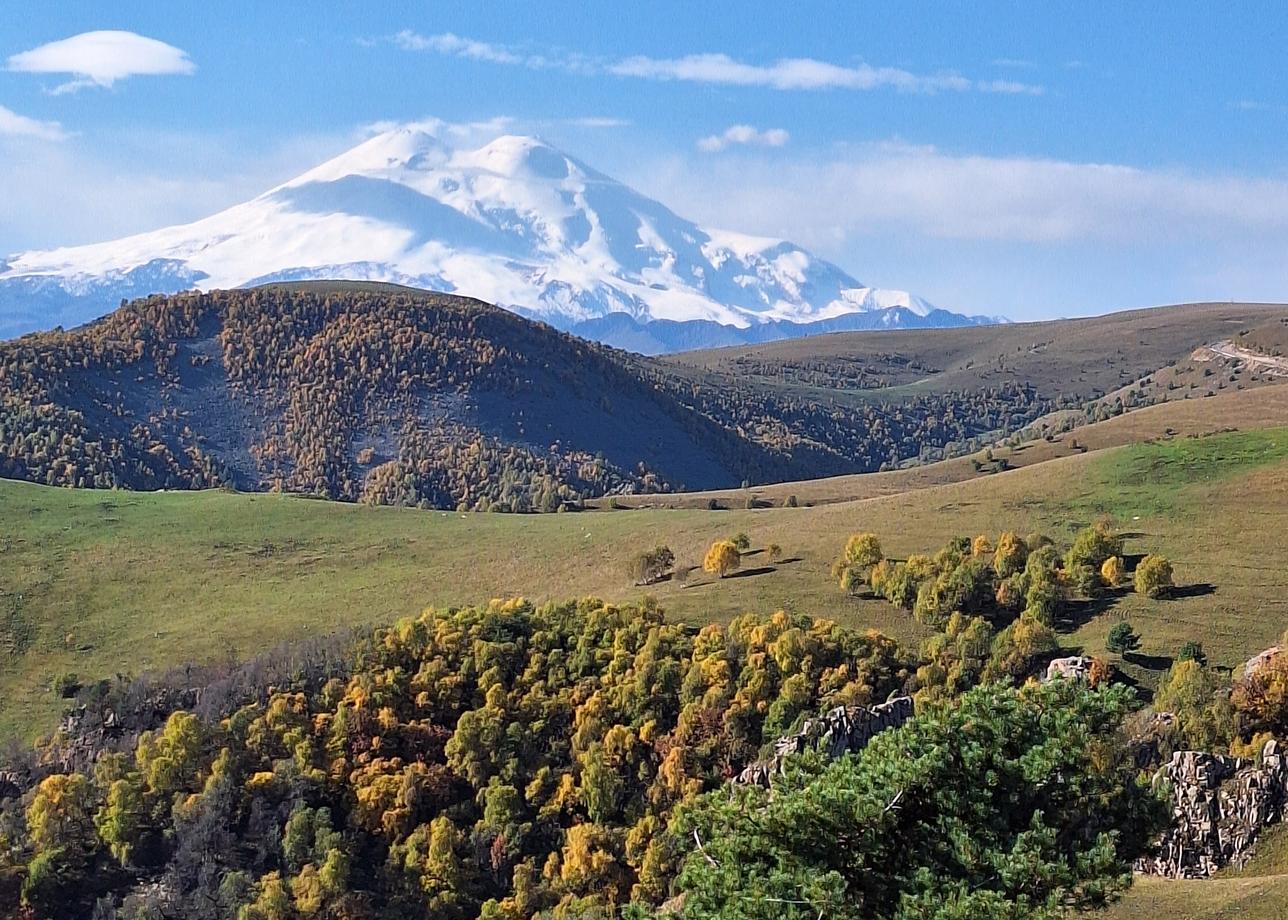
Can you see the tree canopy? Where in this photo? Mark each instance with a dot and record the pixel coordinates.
(1006, 803)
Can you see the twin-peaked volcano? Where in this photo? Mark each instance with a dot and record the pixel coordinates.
(516, 222)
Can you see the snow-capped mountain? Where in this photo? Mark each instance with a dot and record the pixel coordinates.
(515, 222)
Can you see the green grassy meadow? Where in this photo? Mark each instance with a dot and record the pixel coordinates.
(98, 583)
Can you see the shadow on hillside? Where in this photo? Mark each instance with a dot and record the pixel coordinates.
(1134, 535)
(750, 573)
(789, 559)
(1145, 692)
(1201, 589)
(1080, 612)
(1149, 662)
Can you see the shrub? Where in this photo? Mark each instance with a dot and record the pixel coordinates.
(1192, 651)
(1122, 638)
(66, 685)
(1154, 576)
(741, 541)
(774, 552)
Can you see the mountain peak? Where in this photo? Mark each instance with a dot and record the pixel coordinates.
(515, 222)
(400, 148)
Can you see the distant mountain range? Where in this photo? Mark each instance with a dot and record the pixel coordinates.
(516, 222)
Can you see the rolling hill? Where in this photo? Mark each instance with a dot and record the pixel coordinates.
(96, 583)
(93, 582)
(390, 395)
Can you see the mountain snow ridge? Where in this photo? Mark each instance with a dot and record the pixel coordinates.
(515, 222)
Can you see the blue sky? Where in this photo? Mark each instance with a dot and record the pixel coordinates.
(1030, 159)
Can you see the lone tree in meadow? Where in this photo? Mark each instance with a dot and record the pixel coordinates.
(774, 552)
(862, 552)
(648, 567)
(1154, 576)
(722, 558)
(1122, 638)
(741, 542)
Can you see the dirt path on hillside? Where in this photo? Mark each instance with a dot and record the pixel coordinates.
(1274, 366)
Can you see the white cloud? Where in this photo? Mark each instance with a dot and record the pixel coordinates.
(743, 135)
(598, 121)
(786, 74)
(875, 189)
(102, 59)
(455, 46)
(14, 125)
(716, 69)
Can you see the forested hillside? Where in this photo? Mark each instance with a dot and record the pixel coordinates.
(394, 396)
(350, 392)
(578, 759)
(390, 395)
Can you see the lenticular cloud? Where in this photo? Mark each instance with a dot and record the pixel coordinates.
(102, 58)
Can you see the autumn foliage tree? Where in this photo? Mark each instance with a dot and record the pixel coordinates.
(722, 558)
(647, 567)
(1154, 576)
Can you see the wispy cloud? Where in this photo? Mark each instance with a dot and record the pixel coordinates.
(454, 45)
(856, 191)
(14, 125)
(599, 121)
(102, 59)
(800, 74)
(743, 135)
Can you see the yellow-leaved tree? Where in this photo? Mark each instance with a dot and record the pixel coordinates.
(722, 558)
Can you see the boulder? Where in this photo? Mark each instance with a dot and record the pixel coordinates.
(1260, 660)
(1074, 668)
(843, 730)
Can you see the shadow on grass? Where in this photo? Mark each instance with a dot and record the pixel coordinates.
(789, 560)
(1078, 613)
(1145, 693)
(1202, 589)
(751, 573)
(1149, 662)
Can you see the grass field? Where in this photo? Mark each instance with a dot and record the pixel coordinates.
(1257, 892)
(96, 583)
(1246, 410)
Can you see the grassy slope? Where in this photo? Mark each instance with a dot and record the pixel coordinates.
(1248, 409)
(1258, 892)
(1077, 355)
(101, 582)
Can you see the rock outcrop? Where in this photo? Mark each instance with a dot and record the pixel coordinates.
(843, 730)
(1219, 806)
(1260, 660)
(1076, 668)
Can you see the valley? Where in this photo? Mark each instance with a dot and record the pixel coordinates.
(221, 428)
